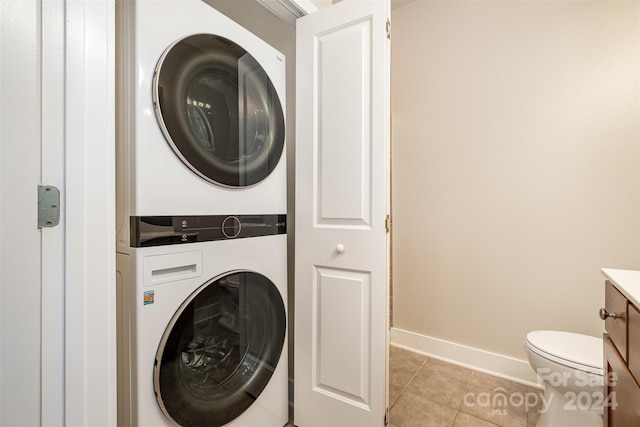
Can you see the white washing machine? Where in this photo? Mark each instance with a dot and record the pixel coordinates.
(203, 329)
(201, 108)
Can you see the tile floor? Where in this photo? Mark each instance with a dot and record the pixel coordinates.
(427, 392)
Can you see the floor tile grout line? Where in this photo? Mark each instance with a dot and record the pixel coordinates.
(408, 382)
(480, 417)
(413, 376)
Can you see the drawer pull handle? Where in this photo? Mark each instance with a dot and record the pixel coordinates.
(604, 314)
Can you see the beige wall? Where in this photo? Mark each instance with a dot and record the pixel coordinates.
(516, 161)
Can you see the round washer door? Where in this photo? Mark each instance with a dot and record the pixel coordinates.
(219, 110)
(220, 350)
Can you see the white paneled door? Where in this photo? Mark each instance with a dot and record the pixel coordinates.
(19, 238)
(342, 193)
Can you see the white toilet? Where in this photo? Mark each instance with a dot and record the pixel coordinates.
(571, 367)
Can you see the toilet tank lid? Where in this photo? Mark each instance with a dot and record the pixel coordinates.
(582, 349)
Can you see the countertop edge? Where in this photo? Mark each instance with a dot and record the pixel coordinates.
(626, 281)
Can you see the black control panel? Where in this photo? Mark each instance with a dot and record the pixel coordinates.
(171, 230)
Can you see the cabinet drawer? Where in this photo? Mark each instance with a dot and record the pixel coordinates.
(622, 404)
(615, 302)
(634, 341)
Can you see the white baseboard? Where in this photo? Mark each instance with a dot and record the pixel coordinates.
(495, 364)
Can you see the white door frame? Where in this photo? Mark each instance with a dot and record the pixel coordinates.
(52, 239)
(90, 350)
(58, 89)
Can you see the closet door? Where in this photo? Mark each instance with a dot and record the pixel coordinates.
(342, 186)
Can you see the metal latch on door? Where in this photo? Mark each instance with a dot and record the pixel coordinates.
(48, 206)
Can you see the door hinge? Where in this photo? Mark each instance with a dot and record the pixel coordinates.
(387, 223)
(386, 417)
(388, 29)
(48, 206)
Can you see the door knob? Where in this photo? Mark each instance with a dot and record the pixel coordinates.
(339, 248)
(604, 314)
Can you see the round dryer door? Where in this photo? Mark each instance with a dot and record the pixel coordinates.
(220, 350)
(219, 110)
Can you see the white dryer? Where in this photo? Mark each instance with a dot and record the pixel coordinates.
(201, 108)
(203, 330)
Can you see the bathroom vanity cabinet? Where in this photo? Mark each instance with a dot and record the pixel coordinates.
(622, 348)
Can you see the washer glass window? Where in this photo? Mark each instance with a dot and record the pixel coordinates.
(219, 110)
(220, 350)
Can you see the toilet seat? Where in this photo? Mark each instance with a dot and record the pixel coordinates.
(575, 351)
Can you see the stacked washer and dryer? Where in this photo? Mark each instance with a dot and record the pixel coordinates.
(201, 221)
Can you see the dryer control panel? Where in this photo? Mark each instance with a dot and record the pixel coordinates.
(172, 230)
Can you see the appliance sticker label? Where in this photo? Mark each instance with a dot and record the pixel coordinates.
(148, 297)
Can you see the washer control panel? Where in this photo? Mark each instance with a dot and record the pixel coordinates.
(171, 230)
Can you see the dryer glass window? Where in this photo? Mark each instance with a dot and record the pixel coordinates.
(219, 110)
(220, 350)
